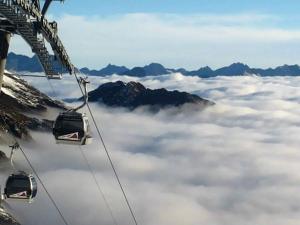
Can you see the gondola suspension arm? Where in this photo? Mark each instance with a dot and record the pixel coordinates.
(13, 147)
(83, 81)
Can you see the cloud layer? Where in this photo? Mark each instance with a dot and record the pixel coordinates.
(235, 163)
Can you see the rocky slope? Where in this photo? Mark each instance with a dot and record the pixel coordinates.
(133, 94)
(19, 103)
(6, 219)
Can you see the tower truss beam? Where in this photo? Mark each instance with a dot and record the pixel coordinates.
(4, 46)
(29, 21)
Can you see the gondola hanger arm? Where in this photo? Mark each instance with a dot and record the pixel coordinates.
(83, 81)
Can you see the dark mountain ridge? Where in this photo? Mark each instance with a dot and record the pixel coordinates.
(108, 70)
(21, 63)
(133, 94)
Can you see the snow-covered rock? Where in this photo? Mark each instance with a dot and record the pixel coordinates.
(22, 105)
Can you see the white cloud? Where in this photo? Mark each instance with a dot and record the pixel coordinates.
(177, 40)
(235, 163)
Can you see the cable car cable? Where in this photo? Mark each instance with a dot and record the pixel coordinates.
(51, 86)
(108, 155)
(98, 185)
(46, 190)
(36, 174)
(92, 173)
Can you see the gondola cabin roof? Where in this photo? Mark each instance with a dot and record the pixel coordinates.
(70, 116)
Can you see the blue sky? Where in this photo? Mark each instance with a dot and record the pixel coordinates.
(190, 34)
(98, 7)
(285, 9)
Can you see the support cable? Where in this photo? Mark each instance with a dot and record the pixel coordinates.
(90, 169)
(98, 186)
(52, 88)
(108, 155)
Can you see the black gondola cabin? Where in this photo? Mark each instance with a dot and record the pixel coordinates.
(72, 128)
(20, 186)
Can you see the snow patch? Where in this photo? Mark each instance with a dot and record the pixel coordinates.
(7, 72)
(17, 88)
(8, 92)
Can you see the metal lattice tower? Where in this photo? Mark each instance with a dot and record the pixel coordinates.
(27, 19)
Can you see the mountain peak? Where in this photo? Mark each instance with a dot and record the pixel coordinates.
(155, 65)
(234, 69)
(153, 69)
(238, 66)
(108, 70)
(134, 94)
(203, 72)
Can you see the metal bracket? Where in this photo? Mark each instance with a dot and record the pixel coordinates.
(13, 147)
(1, 196)
(7, 26)
(83, 81)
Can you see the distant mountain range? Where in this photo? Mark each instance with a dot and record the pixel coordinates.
(21, 63)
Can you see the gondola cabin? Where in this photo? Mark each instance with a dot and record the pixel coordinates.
(20, 186)
(72, 128)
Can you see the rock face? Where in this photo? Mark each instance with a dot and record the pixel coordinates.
(134, 94)
(17, 100)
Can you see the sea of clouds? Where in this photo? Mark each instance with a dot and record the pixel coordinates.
(235, 163)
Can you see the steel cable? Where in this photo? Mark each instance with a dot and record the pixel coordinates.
(108, 155)
(36, 174)
(92, 172)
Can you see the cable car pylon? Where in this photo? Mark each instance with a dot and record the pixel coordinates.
(27, 19)
(4, 45)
